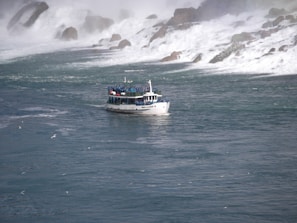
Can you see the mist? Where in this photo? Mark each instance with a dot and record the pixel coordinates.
(108, 8)
(73, 13)
(113, 8)
(207, 35)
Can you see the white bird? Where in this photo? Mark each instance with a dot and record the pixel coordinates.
(53, 136)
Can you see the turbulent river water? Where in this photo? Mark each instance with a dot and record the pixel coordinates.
(226, 153)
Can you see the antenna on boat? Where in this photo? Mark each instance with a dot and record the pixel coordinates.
(127, 81)
(150, 86)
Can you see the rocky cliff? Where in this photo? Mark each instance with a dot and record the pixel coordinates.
(244, 35)
(27, 15)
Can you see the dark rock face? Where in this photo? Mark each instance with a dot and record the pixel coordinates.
(124, 43)
(242, 37)
(115, 37)
(234, 48)
(278, 20)
(211, 9)
(291, 18)
(198, 58)
(268, 24)
(97, 23)
(69, 33)
(283, 48)
(153, 16)
(183, 15)
(40, 8)
(275, 12)
(103, 42)
(160, 34)
(270, 52)
(266, 33)
(295, 41)
(173, 56)
(32, 11)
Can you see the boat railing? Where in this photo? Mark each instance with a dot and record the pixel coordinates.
(133, 94)
(138, 103)
(131, 91)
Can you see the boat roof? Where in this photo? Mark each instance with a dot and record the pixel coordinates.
(133, 90)
(135, 96)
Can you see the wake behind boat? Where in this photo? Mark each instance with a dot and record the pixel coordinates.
(127, 98)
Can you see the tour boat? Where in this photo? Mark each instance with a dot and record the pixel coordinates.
(130, 99)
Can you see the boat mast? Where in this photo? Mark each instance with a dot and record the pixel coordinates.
(150, 86)
(127, 81)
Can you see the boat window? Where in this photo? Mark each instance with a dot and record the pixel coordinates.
(131, 101)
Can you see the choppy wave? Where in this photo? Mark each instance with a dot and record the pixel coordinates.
(31, 112)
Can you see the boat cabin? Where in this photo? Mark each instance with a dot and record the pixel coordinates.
(136, 100)
(125, 98)
(129, 95)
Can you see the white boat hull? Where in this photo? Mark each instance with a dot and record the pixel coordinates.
(159, 108)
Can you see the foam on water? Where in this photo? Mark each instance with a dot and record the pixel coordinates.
(32, 112)
(71, 160)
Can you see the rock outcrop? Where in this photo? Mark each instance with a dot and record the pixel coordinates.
(242, 37)
(97, 23)
(160, 33)
(234, 48)
(266, 33)
(291, 18)
(173, 56)
(115, 37)
(103, 42)
(153, 16)
(124, 43)
(182, 16)
(270, 52)
(28, 13)
(269, 28)
(198, 58)
(69, 33)
(295, 41)
(212, 9)
(275, 12)
(283, 48)
(278, 20)
(208, 10)
(267, 24)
